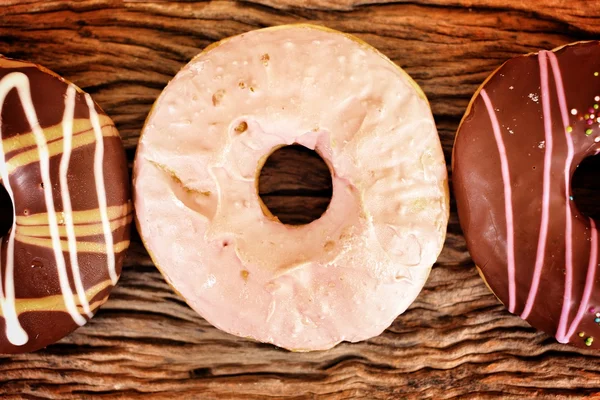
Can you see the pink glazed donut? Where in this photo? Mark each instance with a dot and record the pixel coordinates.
(343, 277)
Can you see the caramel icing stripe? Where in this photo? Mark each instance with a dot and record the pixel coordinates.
(56, 147)
(79, 217)
(78, 230)
(55, 133)
(56, 303)
(81, 246)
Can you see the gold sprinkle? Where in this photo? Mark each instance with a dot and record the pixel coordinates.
(218, 97)
(581, 334)
(265, 59)
(569, 129)
(242, 127)
(329, 245)
(251, 88)
(244, 274)
(242, 85)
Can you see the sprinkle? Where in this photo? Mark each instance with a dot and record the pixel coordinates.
(596, 74)
(573, 111)
(588, 132)
(571, 198)
(589, 122)
(597, 139)
(598, 314)
(586, 116)
(534, 97)
(592, 116)
(570, 128)
(511, 88)
(596, 106)
(265, 59)
(596, 320)
(591, 110)
(589, 341)
(581, 334)
(242, 127)
(592, 309)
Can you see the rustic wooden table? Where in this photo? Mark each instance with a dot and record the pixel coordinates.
(456, 341)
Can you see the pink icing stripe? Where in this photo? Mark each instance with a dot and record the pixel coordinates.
(589, 284)
(560, 90)
(510, 241)
(541, 249)
(562, 101)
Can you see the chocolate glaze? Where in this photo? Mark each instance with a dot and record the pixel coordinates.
(35, 269)
(516, 99)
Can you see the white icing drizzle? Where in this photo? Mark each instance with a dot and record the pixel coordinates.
(67, 127)
(14, 332)
(42, 147)
(101, 189)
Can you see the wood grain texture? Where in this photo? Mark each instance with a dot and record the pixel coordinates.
(455, 341)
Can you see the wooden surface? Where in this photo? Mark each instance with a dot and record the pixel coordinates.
(456, 341)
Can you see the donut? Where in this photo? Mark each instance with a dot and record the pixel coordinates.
(65, 207)
(343, 277)
(528, 127)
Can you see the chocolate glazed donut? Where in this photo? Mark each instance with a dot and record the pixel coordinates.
(63, 165)
(526, 130)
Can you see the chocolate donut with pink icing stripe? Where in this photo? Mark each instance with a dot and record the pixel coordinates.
(526, 130)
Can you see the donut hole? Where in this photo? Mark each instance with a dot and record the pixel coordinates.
(6, 211)
(586, 187)
(295, 185)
